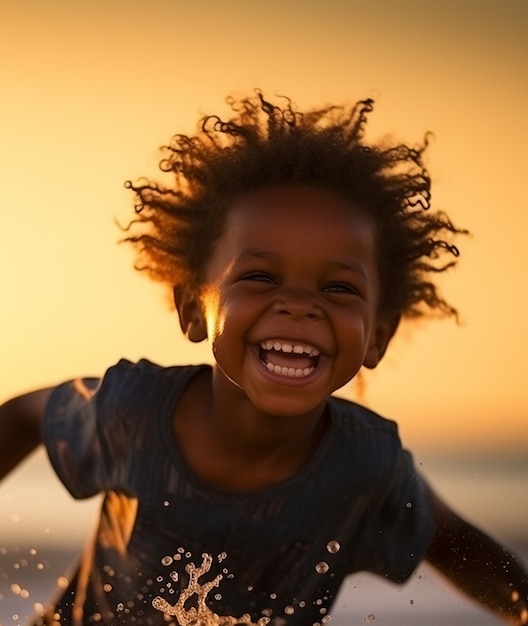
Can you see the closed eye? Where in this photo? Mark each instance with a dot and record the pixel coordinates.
(344, 288)
(260, 277)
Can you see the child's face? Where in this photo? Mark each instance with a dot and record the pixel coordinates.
(290, 298)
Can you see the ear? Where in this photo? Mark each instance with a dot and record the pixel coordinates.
(192, 321)
(383, 333)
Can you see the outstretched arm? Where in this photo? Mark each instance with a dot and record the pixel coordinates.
(479, 566)
(20, 427)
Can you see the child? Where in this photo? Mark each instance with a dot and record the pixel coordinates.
(245, 493)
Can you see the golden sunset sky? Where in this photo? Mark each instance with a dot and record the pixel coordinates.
(91, 89)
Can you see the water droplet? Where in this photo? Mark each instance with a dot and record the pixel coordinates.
(167, 560)
(120, 606)
(408, 505)
(166, 503)
(289, 610)
(370, 618)
(322, 567)
(326, 619)
(222, 556)
(333, 546)
(62, 582)
(174, 576)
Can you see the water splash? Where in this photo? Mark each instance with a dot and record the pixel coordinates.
(333, 546)
(201, 615)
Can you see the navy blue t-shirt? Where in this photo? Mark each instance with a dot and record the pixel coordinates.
(280, 553)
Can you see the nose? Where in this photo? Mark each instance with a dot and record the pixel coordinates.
(298, 304)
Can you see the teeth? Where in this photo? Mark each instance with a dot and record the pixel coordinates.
(296, 348)
(291, 372)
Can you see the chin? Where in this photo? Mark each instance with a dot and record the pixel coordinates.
(287, 407)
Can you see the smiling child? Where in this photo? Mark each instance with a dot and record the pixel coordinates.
(294, 248)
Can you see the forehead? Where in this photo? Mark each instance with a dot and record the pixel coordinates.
(298, 210)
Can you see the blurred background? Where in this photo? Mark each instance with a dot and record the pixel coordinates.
(91, 90)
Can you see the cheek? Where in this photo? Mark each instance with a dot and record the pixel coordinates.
(214, 318)
(226, 314)
(353, 337)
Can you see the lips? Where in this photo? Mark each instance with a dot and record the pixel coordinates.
(287, 358)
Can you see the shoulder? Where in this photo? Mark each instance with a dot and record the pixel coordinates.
(139, 370)
(358, 419)
(132, 392)
(125, 390)
(142, 380)
(367, 442)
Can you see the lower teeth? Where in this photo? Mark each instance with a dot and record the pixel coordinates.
(290, 371)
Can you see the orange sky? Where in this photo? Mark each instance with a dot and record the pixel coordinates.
(91, 89)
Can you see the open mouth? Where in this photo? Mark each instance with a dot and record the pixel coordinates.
(294, 360)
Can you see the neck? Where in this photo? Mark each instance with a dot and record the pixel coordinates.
(234, 447)
(248, 432)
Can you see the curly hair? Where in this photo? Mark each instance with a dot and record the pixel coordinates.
(266, 144)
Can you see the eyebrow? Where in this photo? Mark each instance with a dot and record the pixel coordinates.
(353, 266)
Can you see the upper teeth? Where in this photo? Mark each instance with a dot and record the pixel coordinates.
(283, 346)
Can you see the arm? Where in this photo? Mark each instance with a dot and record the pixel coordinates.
(479, 566)
(20, 427)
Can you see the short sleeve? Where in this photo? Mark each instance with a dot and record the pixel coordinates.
(71, 438)
(95, 429)
(402, 526)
